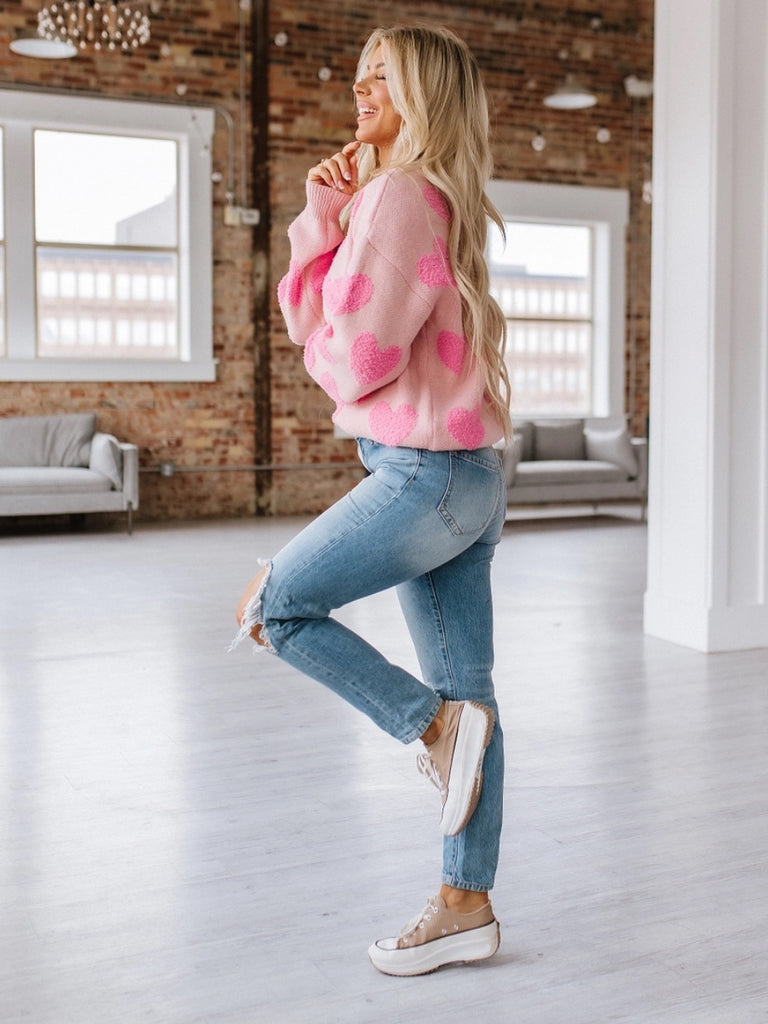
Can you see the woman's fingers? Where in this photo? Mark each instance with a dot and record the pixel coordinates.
(338, 171)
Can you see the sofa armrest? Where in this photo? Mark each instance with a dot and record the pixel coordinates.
(130, 454)
(106, 458)
(640, 447)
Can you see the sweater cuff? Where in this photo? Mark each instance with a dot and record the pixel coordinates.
(326, 202)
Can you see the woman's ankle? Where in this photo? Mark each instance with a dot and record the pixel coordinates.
(432, 733)
(463, 901)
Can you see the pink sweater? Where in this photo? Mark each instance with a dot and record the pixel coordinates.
(379, 315)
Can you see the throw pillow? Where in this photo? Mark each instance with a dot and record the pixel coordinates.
(612, 446)
(70, 438)
(559, 439)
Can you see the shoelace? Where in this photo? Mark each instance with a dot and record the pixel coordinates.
(429, 770)
(423, 915)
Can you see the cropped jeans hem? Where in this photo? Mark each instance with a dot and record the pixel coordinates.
(459, 883)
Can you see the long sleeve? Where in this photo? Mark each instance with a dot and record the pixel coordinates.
(315, 236)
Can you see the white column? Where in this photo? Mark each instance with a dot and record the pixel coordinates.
(708, 490)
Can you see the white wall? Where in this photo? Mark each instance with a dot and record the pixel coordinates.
(708, 487)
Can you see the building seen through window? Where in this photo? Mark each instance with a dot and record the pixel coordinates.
(541, 276)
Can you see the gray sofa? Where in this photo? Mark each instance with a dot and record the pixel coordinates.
(61, 464)
(580, 460)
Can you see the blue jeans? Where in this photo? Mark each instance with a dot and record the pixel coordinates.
(427, 523)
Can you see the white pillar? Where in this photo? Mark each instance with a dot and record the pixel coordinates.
(708, 489)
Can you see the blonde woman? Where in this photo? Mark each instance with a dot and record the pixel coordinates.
(387, 293)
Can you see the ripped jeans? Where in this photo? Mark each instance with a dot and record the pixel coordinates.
(426, 523)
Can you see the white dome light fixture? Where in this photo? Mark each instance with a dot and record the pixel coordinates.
(33, 45)
(571, 95)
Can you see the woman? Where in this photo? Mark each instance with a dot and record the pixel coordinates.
(387, 291)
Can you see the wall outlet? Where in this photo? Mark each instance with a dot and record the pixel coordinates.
(249, 217)
(241, 216)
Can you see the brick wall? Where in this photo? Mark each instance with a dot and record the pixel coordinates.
(524, 48)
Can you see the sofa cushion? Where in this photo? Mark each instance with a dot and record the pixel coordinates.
(51, 480)
(612, 446)
(567, 471)
(107, 458)
(559, 439)
(62, 440)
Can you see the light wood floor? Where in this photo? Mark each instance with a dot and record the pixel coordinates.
(192, 837)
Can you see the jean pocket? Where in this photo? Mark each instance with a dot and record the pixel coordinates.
(472, 495)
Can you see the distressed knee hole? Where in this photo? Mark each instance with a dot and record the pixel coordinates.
(251, 617)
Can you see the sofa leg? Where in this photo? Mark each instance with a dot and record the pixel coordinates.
(130, 518)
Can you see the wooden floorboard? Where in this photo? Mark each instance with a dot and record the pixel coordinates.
(195, 837)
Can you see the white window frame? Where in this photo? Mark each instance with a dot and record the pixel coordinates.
(606, 211)
(192, 128)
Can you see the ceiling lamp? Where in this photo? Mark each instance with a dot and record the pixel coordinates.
(570, 96)
(33, 45)
(95, 24)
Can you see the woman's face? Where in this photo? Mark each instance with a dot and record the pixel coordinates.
(377, 121)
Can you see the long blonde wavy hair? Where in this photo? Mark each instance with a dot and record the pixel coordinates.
(435, 86)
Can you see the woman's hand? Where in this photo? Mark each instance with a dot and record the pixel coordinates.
(338, 171)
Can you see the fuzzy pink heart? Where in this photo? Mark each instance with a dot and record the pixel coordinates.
(437, 201)
(290, 288)
(370, 363)
(319, 271)
(466, 427)
(348, 294)
(391, 426)
(435, 269)
(450, 348)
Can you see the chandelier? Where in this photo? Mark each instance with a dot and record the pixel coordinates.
(98, 24)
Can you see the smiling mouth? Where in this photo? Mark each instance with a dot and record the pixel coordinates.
(365, 111)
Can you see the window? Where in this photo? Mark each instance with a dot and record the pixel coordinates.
(559, 279)
(107, 240)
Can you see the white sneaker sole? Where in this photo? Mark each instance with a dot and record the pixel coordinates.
(464, 947)
(466, 778)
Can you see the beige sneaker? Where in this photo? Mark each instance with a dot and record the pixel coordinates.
(437, 936)
(454, 762)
